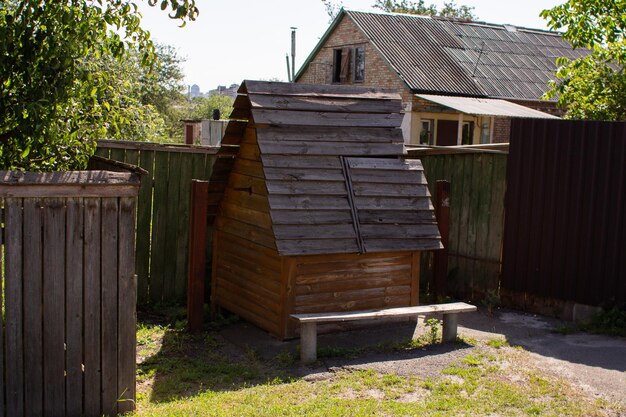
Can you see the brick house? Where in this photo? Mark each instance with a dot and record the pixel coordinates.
(460, 81)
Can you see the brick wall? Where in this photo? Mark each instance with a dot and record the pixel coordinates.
(501, 129)
(377, 72)
(543, 106)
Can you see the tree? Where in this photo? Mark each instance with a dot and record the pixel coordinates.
(56, 98)
(203, 107)
(592, 86)
(332, 8)
(163, 88)
(450, 9)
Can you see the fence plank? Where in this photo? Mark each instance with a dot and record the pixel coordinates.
(197, 259)
(144, 222)
(173, 204)
(103, 152)
(33, 315)
(92, 242)
(74, 306)
(117, 154)
(158, 255)
(109, 275)
(13, 308)
(162, 218)
(54, 307)
(182, 232)
(127, 312)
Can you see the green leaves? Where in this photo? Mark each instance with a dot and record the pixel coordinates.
(58, 60)
(449, 9)
(593, 86)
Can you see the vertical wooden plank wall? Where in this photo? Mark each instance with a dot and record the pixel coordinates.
(69, 323)
(163, 209)
(478, 183)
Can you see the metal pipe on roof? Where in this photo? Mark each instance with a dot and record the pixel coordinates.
(293, 52)
(289, 76)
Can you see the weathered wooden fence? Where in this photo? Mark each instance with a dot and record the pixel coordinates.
(478, 183)
(565, 237)
(163, 212)
(69, 291)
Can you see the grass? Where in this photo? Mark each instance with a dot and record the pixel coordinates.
(201, 375)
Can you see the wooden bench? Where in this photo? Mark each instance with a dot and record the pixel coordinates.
(308, 322)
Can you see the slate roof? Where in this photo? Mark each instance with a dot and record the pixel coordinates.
(444, 56)
(331, 161)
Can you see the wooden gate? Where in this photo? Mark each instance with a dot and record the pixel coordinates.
(69, 293)
(478, 182)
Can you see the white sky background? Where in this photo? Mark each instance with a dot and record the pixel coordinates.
(233, 40)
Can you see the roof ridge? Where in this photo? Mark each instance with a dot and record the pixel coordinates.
(481, 23)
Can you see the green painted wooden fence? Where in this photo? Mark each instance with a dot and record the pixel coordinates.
(478, 183)
(162, 213)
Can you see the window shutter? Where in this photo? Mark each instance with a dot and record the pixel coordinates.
(345, 65)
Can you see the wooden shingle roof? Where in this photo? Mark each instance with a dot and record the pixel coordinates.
(329, 164)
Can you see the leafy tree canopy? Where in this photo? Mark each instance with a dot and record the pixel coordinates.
(58, 79)
(593, 86)
(449, 9)
(202, 107)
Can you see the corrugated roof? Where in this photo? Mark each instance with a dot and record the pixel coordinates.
(443, 56)
(330, 161)
(486, 107)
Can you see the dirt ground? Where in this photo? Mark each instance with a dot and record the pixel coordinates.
(595, 364)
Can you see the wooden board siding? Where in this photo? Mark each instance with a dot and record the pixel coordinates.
(392, 185)
(69, 285)
(247, 269)
(345, 282)
(247, 280)
(295, 231)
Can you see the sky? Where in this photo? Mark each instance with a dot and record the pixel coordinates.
(234, 40)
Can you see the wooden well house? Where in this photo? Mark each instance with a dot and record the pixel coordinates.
(318, 211)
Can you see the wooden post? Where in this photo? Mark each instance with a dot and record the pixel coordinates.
(197, 254)
(442, 212)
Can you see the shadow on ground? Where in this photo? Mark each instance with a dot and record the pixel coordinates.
(236, 355)
(542, 335)
(182, 364)
(240, 355)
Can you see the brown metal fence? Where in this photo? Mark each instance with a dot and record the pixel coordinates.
(69, 292)
(565, 234)
(163, 211)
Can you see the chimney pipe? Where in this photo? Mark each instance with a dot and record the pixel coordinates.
(293, 54)
(288, 70)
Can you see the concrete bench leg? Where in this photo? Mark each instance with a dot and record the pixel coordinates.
(308, 342)
(450, 322)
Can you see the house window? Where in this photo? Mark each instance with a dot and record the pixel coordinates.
(467, 137)
(359, 64)
(341, 65)
(426, 133)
